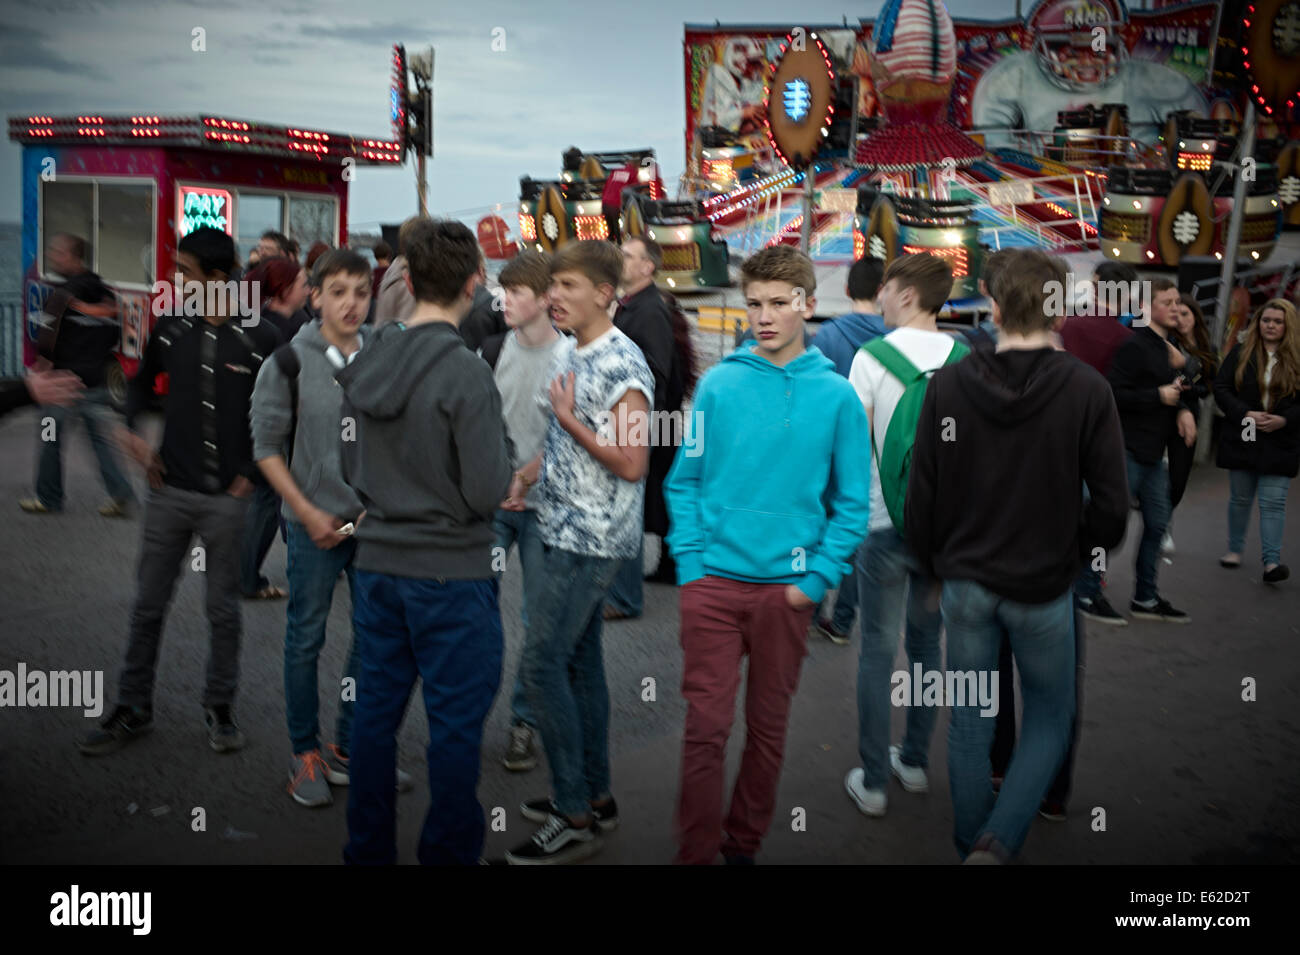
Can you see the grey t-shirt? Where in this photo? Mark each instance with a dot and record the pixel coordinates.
(521, 376)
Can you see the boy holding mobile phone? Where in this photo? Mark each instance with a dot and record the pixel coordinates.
(296, 416)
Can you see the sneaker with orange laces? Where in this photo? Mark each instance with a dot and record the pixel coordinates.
(307, 780)
(336, 769)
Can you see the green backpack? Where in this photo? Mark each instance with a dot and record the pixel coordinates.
(895, 463)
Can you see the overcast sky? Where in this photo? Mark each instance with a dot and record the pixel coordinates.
(597, 75)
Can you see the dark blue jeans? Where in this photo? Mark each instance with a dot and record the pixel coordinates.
(446, 633)
(1042, 640)
(627, 595)
(1149, 483)
(259, 533)
(313, 574)
(520, 527)
(93, 409)
(564, 673)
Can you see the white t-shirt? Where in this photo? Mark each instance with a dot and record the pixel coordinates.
(582, 506)
(521, 377)
(879, 392)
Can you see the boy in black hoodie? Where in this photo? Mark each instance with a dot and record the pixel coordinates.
(1005, 441)
(425, 448)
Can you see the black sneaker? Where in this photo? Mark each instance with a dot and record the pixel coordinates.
(826, 627)
(1099, 610)
(1278, 574)
(1161, 610)
(223, 735)
(558, 842)
(124, 725)
(539, 810)
(1052, 811)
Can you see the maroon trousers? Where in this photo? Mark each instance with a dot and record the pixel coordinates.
(722, 620)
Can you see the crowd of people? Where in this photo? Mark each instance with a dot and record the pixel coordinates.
(404, 429)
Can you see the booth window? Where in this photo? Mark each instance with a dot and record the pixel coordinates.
(68, 207)
(116, 220)
(125, 241)
(311, 220)
(257, 212)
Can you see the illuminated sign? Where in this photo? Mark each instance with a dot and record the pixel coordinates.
(205, 208)
(798, 99)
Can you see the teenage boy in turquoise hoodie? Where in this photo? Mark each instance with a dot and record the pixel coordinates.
(765, 515)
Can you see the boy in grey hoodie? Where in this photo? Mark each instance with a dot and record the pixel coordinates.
(295, 416)
(425, 448)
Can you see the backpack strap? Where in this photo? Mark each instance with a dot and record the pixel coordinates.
(287, 362)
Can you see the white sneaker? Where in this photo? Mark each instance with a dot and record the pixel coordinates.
(913, 778)
(1167, 544)
(870, 802)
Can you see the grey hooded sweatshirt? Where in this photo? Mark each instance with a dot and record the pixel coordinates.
(430, 459)
(315, 459)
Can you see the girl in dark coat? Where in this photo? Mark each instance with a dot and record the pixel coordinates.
(1258, 389)
(1194, 359)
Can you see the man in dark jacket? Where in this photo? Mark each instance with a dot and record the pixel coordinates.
(1151, 410)
(81, 340)
(1005, 441)
(643, 317)
(200, 480)
(428, 456)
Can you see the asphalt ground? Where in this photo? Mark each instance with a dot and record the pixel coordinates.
(1185, 769)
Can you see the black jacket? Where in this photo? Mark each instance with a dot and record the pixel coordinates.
(643, 317)
(1140, 367)
(1005, 442)
(1271, 452)
(483, 319)
(207, 441)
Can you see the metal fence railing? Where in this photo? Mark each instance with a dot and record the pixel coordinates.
(11, 337)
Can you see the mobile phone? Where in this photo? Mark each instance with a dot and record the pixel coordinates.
(346, 529)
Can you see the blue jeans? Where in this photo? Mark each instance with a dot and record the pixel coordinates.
(446, 633)
(312, 575)
(627, 594)
(564, 673)
(1149, 483)
(888, 579)
(93, 409)
(520, 527)
(260, 525)
(1043, 642)
(1272, 511)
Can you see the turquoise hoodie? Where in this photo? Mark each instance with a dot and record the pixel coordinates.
(777, 487)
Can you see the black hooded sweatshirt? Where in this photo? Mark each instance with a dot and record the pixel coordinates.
(1005, 442)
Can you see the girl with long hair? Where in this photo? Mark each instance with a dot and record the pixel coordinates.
(1193, 356)
(1258, 389)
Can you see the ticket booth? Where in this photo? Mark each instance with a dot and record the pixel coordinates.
(132, 186)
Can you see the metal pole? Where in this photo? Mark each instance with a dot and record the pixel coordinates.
(421, 184)
(805, 230)
(1246, 148)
